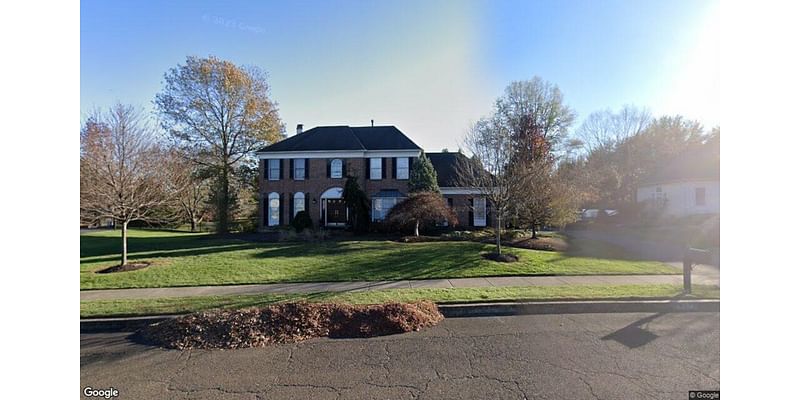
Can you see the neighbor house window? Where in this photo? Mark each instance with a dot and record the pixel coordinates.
(375, 171)
(700, 196)
(479, 212)
(274, 170)
(299, 169)
(274, 211)
(382, 205)
(336, 168)
(402, 167)
(659, 197)
(299, 202)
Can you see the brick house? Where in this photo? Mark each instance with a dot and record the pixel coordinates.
(307, 171)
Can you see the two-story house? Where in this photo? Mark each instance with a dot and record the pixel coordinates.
(307, 171)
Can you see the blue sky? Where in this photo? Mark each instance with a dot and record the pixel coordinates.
(428, 67)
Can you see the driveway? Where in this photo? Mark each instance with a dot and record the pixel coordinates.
(579, 356)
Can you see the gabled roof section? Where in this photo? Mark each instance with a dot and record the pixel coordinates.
(332, 138)
(383, 138)
(319, 138)
(446, 166)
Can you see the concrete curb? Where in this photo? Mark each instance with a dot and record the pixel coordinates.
(126, 324)
(576, 307)
(130, 324)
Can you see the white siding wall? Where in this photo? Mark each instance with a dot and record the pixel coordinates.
(681, 197)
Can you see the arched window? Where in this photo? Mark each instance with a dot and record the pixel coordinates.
(274, 210)
(299, 202)
(336, 168)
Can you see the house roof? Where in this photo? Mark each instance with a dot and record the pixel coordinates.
(700, 164)
(446, 168)
(345, 138)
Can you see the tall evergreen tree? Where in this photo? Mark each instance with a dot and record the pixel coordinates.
(357, 201)
(423, 177)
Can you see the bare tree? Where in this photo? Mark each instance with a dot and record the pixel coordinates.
(490, 170)
(533, 205)
(606, 129)
(190, 186)
(121, 173)
(535, 113)
(547, 197)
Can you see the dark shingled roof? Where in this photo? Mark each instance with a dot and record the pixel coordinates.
(445, 165)
(345, 138)
(700, 164)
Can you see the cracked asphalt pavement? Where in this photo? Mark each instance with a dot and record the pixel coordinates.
(577, 356)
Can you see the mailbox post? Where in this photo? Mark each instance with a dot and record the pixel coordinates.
(687, 275)
(692, 257)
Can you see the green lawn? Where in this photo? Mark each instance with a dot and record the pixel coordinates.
(179, 305)
(187, 259)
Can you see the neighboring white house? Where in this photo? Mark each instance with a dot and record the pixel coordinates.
(689, 185)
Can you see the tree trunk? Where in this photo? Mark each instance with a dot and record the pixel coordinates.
(416, 228)
(194, 224)
(222, 203)
(497, 235)
(533, 231)
(124, 243)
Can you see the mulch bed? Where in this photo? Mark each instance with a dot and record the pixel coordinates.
(504, 257)
(419, 239)
(124, 268)
(541, 243)
(288, 323)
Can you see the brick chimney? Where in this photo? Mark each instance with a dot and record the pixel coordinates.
(299, 128)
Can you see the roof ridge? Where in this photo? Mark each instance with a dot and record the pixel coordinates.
(358, 139)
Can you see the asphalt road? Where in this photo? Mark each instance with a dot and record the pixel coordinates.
(578, 356)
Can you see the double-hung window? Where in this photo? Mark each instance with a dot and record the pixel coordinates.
(402, 167)
(274, 167)
(375, 168)
(274, 203)
(336, 168)
(382, 205)
(299, 169)
(299, 203)
(479, 211)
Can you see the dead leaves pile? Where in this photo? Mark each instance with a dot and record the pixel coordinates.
(288, 323)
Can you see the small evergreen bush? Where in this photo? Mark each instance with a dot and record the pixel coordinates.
(302, 221)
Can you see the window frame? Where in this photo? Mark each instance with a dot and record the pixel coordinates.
(302, 176)
(276, 169)
(277, 209)
(372, 168)
(407, 168)
(384, 210)
(298, 196)
(475, 211)
(334, 170)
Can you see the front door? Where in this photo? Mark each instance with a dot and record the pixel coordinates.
(335, 212)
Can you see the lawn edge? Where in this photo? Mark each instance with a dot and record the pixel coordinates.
(467, 310)
(677, 272)
(575, 300)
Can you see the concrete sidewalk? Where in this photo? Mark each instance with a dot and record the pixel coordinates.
(310, 287)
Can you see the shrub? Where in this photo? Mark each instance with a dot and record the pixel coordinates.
(420, 209)
(302, 221)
